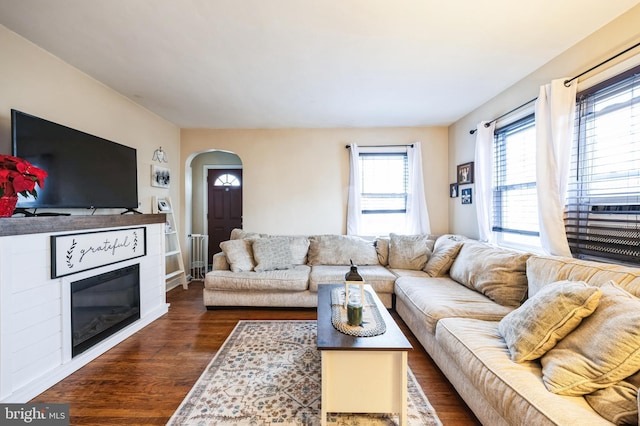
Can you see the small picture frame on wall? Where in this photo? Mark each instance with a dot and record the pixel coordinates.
(160, 176)
(453, 190)
(465, 173)
(466, 196)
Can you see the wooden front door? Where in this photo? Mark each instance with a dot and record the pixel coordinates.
(224, 190)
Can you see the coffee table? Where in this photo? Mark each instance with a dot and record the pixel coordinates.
(361, 374)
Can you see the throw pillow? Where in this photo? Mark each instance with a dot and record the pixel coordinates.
(299, 246)
(409, 251)
(382, 249)
(271, 254)
(239, 254)
(497, 273)
(603, 350)
(445, 250)
(341, 250)
(536, 326)
(618, 403)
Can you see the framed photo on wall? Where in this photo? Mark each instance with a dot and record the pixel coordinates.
(453, 190)
(465, 173)
(466, 196)
(160, 176)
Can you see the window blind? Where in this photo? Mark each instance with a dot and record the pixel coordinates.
(514, 179)
(384, 182)
(603, 204)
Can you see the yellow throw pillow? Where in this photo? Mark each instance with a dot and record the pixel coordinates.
(536, 326)
(618, 403)
(604, 349)
(444, 253)
(499, 274)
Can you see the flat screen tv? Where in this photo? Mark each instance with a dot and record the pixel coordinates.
(85, 171)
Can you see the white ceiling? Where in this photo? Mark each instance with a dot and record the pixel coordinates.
(308, 63)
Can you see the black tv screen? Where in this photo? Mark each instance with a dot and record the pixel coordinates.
(85, 171)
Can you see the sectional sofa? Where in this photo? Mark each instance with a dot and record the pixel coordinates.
(266, 270)
(524, 339)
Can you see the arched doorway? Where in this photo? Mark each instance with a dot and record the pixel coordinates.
(201, 216)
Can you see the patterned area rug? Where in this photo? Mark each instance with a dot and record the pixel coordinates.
(268, 373)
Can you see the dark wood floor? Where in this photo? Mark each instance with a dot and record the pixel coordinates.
(144, 379)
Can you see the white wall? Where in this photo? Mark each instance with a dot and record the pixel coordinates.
(603, 44)
(36, 82)
(296, 180)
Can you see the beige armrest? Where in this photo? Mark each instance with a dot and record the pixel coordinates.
(219, 262)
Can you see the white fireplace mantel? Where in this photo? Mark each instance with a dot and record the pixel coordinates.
(34, 322)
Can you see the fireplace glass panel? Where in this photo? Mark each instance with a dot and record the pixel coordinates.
(102, 305)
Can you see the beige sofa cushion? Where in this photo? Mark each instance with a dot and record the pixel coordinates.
(618, 403)
(409, 251)
(295, 279)
(237, 234)
(603, 350)
(299, 244)
(219, 262)
(516, 390)
(239, 254)
(341, 250)
(536, 326)
(445, 250)
(441, 297)
(380, 278)
(271, 254)
(542, 270)
(497, 273)
(409, 273)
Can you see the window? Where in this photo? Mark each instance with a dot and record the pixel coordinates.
(227, 180)
(384, 186)
(515, 204)
(603, 218)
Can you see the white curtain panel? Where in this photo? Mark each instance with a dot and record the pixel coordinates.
(354, 221)
(483, 178)
(417, 220)
(555, 116)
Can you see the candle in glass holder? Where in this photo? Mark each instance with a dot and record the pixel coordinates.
(354, 314)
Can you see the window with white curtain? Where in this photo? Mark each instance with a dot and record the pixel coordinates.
(603, 217)
(384, 180)
(515, 205)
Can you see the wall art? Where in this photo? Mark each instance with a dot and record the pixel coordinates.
(160, 176)
(466, 196)
(465, 173)
(72, 253)
(453, 190)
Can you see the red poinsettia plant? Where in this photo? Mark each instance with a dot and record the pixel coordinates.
(18, 176)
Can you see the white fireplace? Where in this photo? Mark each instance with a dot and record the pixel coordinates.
(35, 309)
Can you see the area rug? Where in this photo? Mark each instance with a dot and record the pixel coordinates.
(268, 373)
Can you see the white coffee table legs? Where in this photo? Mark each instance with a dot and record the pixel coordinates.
(364, 381)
